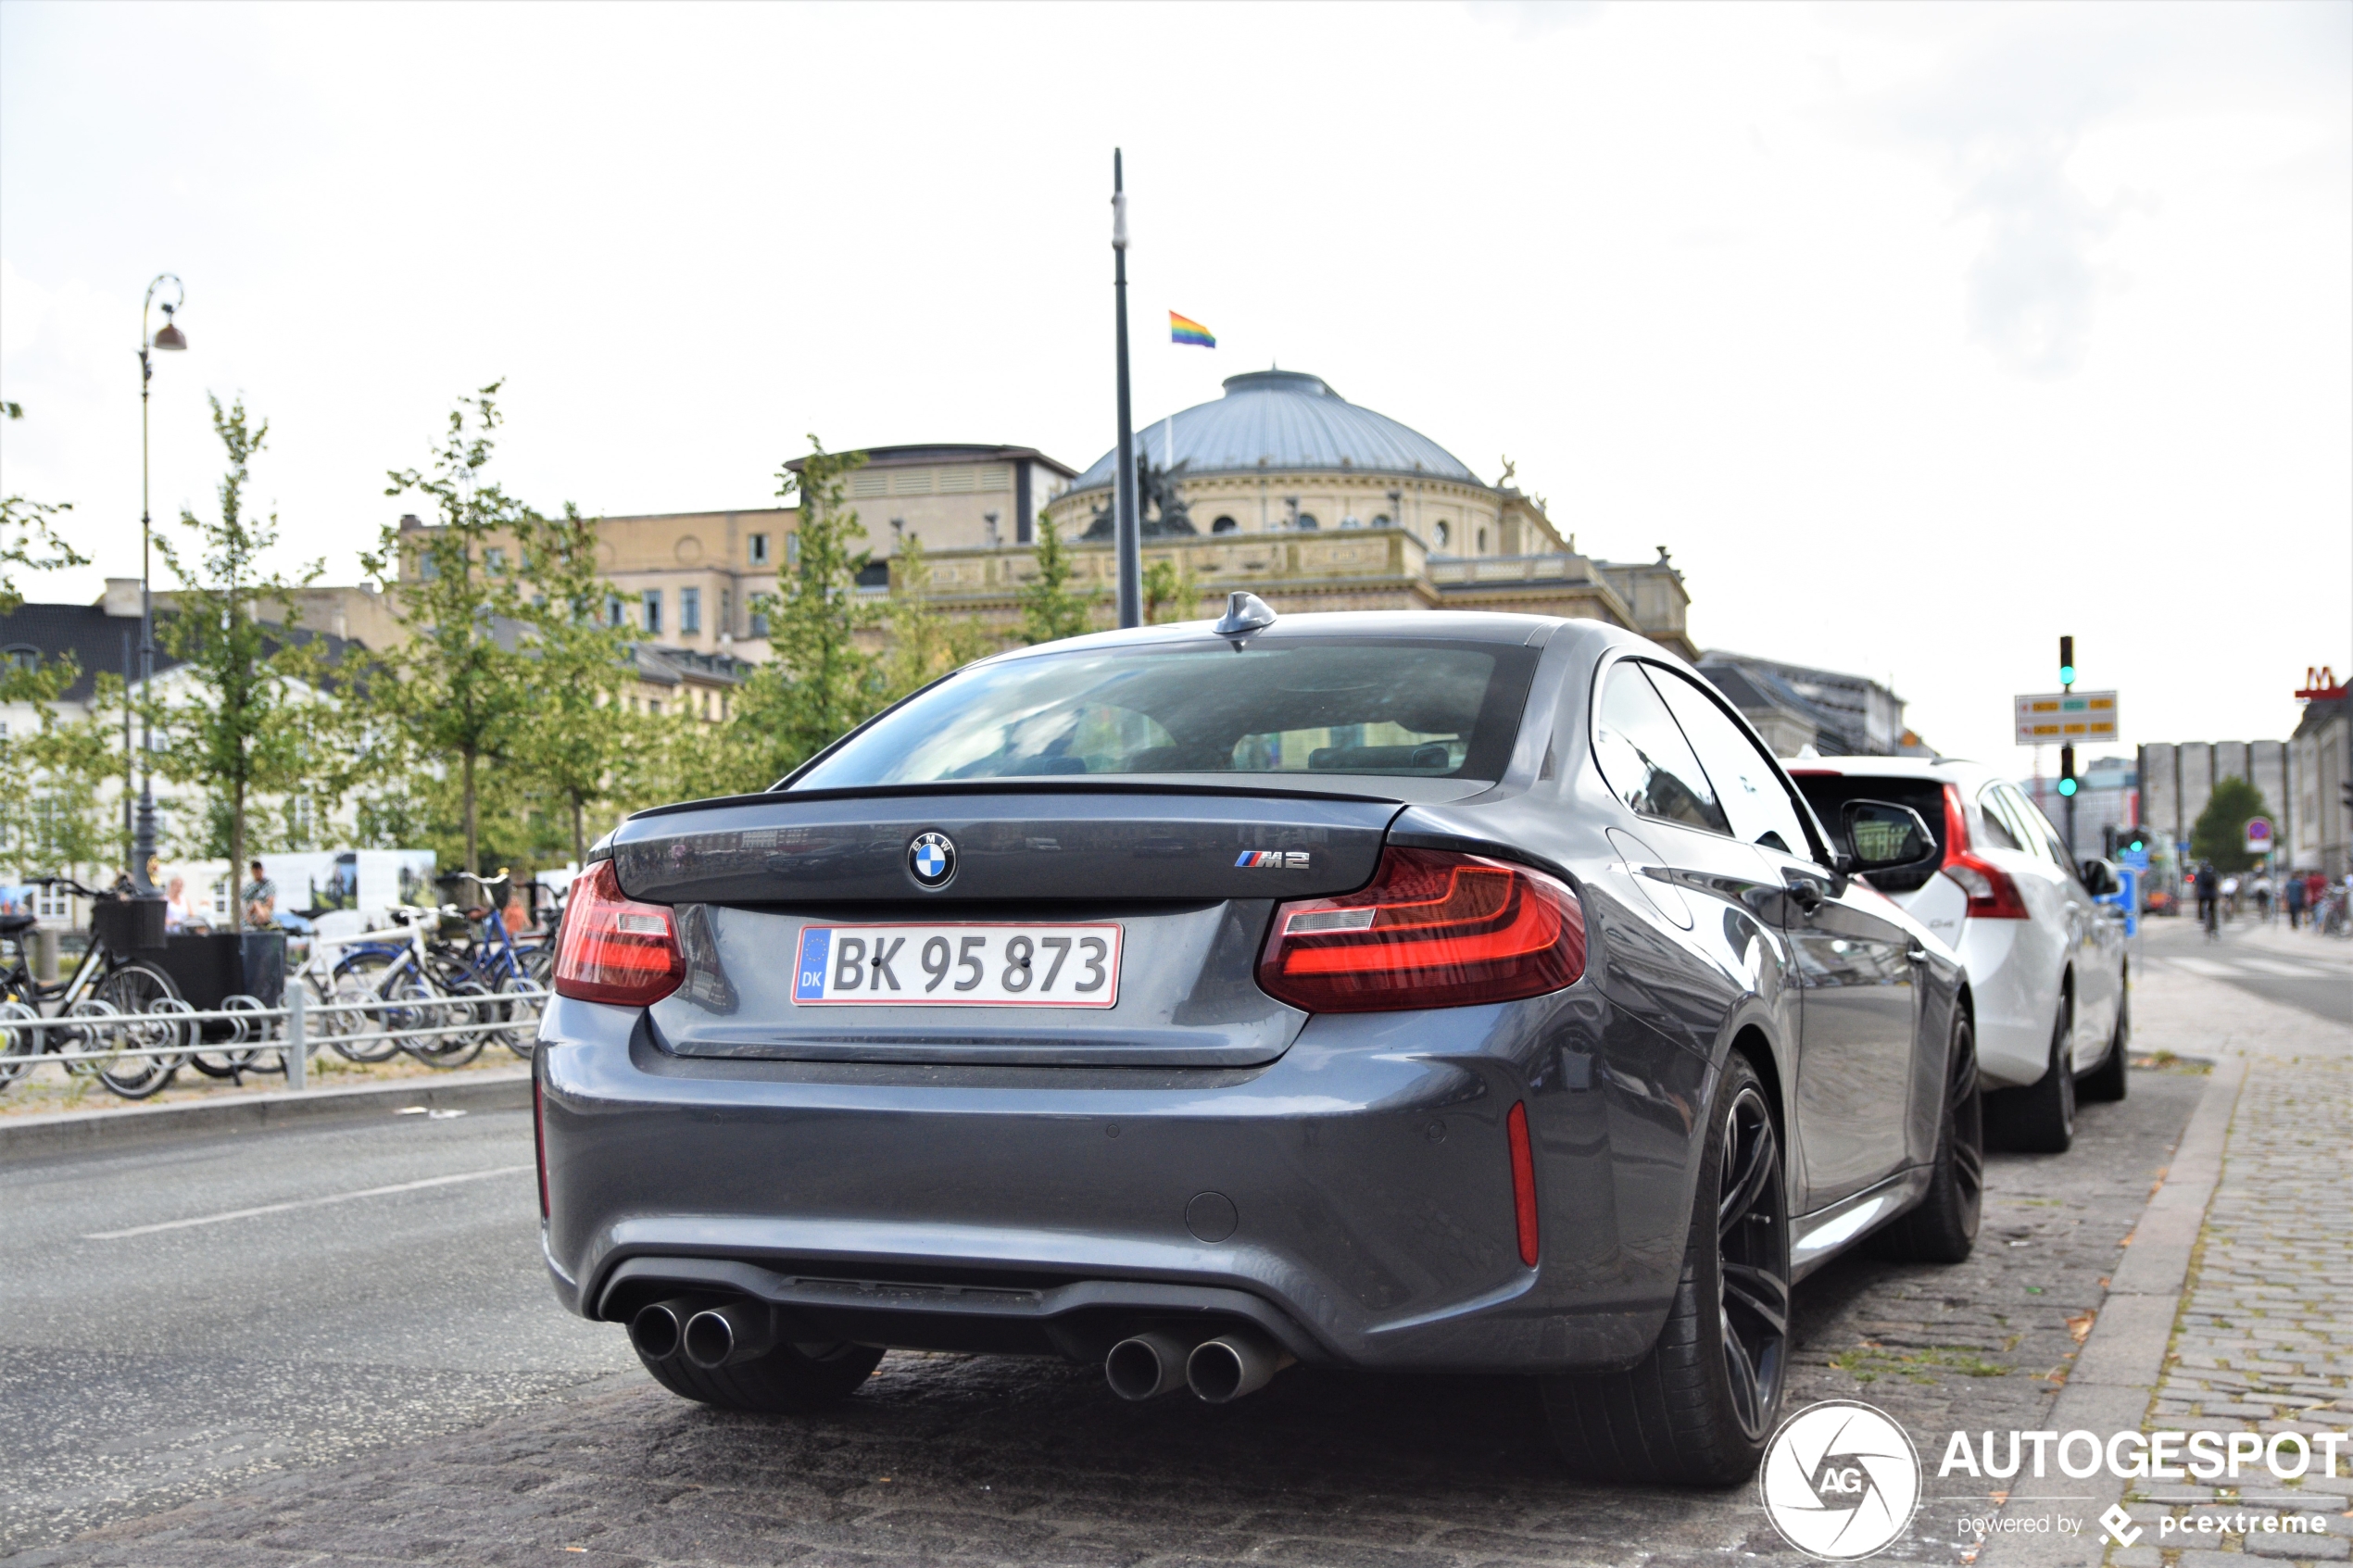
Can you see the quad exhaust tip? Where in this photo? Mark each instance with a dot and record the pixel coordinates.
(1145, 1366)
(659, 1327)
(1224, 1369)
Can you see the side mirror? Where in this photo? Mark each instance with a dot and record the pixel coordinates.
(1884, 836)
(2100, 880)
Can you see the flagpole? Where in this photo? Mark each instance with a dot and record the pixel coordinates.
(1125, 527)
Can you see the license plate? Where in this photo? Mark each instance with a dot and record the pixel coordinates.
(966, 965)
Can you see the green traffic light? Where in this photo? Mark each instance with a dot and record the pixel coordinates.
(2067, 787)
(2067, 674)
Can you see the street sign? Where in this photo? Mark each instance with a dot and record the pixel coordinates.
(2057, 717)
(2259, 836)
(2134, 859)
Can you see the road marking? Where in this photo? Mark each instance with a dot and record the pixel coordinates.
(305, 1203)
(2273, 966)
(2207, 967)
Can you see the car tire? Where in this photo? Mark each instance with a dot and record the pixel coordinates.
(2108, 1081)
(788, 1380)
(1698, 1409)
(2039, 1117)
(1941, 1228)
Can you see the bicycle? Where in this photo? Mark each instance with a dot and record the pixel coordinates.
(105, 985)
(353, 978)
(495, 962)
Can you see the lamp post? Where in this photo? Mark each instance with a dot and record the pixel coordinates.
(143, 835)
(1124, 523)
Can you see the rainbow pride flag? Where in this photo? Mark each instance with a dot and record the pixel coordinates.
(1184, 329)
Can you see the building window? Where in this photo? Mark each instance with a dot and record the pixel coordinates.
(759, 550)
(1352, 522)
(792, 549)
(1444, 532)
(1307, 521)
(1482, 540)
(759, 616)
(690, 612)
(615, 614)
(1380, 520)
(726, 612)
(494, 561)
(1223, 525)
(653, 612)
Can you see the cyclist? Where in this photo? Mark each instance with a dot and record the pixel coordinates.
(2209, 892)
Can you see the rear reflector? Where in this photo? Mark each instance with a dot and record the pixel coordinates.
(1433, 930)
(614, 949)
(1992, 894)
(539, 1138)
(1523, 1183)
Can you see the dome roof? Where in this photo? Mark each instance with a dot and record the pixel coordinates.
(1284, 419)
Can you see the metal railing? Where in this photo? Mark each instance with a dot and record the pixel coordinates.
(294, 1045)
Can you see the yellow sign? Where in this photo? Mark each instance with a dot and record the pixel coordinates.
(2065, 717)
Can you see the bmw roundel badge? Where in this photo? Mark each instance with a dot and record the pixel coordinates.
(932, 857)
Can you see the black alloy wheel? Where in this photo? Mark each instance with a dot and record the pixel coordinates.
(1696, 1410)
(1941, 1228)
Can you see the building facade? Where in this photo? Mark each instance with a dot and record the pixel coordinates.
(1795, 707)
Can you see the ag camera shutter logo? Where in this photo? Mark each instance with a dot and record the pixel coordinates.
(1841, 1481)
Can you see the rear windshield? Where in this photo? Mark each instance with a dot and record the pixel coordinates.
(1827, 792)
(1428, 709)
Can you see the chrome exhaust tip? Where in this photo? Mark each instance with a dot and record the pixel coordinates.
(722, 1335)
(1224, 1369)
(659, 1327)
(1145, 1366)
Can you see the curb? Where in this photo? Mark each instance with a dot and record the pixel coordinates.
(76, 1132)
(2115, 1373)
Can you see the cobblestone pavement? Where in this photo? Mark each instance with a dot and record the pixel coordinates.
(994, 1459)
(2263, 1343)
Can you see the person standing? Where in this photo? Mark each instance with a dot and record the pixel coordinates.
(258, 901)
(2293, 896)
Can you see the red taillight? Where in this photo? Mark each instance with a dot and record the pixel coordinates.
(1523, 1183)
(614, 949)
(1992, 894)
(1434, 930)
(539, 1139)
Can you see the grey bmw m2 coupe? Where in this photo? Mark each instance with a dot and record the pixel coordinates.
(1448, 992)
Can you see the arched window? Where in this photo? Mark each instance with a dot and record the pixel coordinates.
(24, 655)
(1223, 525)
(1444, 534)
(1380, 520)
(1482, 540)
(1352, 520)
(1307, 521)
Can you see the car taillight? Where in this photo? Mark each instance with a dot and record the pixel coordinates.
(613, 949)
(1992, 894)
(1434, 930)
(1523, 1182)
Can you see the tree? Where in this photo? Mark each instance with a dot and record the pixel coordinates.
(576, 733)
(457, 689)
(819, 682)
(2219, 832)
(1050, 609)
(29, 540)
(1169, 587)
(246, 728)
(924, 644)
(69, 780)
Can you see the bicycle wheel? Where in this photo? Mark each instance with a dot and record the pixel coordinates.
(133, 990)
(255, 1034)
(521, 1015)
(359, 1029)
(461, 1002)
(19, 1046)
(234, 1032)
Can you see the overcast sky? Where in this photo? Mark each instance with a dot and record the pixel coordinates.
(1920, 335)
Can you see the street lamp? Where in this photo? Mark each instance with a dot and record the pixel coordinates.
(170, 340)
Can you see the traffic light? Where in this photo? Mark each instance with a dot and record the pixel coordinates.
(2067, 666)
(2067, 768)
(2127, 839)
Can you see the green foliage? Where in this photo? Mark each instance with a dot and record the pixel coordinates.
(456, 693)
(29, 539)
(2219, 833)
(1170, 592)
(63, 811)
(253, 723)
(575, 738)
(819, 682)
(924, 642)
(1050, 609)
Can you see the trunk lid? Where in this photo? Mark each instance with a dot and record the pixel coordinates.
(1189, 877)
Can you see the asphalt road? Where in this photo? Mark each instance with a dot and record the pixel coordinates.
(2294, 969)
(140, 1370)
(387, 1377)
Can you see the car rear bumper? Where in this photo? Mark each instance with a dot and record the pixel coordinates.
(1352, 1199)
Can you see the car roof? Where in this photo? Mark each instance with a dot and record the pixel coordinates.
(1454, 625)
(1939, 768)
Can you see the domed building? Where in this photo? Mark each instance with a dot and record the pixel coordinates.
(1285, 487)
